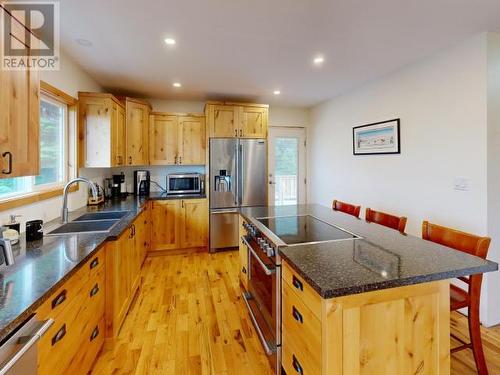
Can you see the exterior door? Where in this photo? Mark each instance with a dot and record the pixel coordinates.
(287, 166)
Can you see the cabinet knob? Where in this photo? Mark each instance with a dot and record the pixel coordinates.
(4, 155)
(130, 159)
(241, 133)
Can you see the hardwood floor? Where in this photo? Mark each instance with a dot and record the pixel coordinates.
(189, 318)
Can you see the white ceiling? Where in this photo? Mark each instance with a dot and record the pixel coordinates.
(245, 49)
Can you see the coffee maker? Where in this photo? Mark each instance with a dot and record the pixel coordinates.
(142, 182)
(119, 188)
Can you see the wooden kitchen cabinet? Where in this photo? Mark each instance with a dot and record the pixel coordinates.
(137, 130)
(72, 343)
(163, 139)
(165, 225)
(194, 223)
(101, 131)
(253, 122)
(237, 120)
(179, 224)
(177, 139)
(19, 118)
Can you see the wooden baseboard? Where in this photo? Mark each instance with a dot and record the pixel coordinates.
(162, 253)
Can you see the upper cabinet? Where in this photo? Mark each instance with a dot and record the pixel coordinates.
(231, 120)
(101, 130)
(137, 131)
(177, 139)
(19, 117)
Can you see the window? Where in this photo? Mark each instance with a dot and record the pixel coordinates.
(55, 132)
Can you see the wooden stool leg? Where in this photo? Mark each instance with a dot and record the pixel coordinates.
(475, 338)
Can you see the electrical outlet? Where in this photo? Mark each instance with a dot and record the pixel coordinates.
(461, 184)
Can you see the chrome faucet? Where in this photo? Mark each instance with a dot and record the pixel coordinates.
(65, 212)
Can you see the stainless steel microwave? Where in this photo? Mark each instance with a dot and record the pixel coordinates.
(187, 183)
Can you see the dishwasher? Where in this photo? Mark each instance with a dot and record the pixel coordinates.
(18, 352)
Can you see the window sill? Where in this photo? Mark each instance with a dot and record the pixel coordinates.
(33, 197)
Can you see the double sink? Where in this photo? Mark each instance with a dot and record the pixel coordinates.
(94, 222)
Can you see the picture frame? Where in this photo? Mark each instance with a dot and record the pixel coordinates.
(378, 138)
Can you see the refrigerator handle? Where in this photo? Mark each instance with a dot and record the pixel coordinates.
(240, 174)
(236, 184)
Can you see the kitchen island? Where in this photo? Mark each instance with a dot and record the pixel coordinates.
(374, 302)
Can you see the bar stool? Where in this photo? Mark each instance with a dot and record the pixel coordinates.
(461, 298)
(387, 220)
(346, 208)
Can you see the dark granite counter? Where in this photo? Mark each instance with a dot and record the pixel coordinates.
(42, 266)
(382, 258)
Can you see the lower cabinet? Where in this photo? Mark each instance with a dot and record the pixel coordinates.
(179, 224)
(124, 259)
(72, 343)
(243, 251)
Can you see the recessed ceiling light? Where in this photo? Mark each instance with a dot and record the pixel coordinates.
(276, 92)
(176, 84)
(170, 41)
(318, 60)
(84, 42)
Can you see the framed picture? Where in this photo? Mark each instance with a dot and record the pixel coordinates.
(377, 138)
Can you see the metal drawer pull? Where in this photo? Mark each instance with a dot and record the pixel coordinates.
(9, 154)
(94, 290)
(95, 333)
(296, 365)
(262, 264)
(59, 299)
(297, 283)
(243, 269)
(28, 341)
(94, 263)
(59, 335)
(296, 315)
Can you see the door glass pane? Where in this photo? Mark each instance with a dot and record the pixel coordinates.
(286, 171)
(52, 124)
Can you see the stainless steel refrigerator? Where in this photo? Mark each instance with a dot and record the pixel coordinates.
(238, 170)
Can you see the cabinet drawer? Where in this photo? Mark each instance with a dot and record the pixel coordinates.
(301, 327)
(303, 291)
(296, 363)
(90, 346)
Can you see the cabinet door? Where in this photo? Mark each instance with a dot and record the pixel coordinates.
(165, 217)
(192, 140)
(223, 121)
(253, 122)
(19, 119)
(163, 140)
(118, 136)
(96, 116)
(142, 236)
(194, 229)
(137, 133)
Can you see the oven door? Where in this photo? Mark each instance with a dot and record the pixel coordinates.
(263, 298)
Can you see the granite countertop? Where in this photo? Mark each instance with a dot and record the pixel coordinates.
(42, 266)
(382, 258)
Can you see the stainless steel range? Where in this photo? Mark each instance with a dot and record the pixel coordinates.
(263, 297)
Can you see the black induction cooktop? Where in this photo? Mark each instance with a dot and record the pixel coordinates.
(294, 230)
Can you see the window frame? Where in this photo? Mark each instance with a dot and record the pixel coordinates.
(48, 191)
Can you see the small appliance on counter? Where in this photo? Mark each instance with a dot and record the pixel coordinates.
(142, 183)
(186, 183)
(34, 230)
(108, 188)
(119, 188)
(91, 201)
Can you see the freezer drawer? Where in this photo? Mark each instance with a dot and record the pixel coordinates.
(223, 230)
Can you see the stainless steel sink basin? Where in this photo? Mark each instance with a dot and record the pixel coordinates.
(75, 227)
(104, 215)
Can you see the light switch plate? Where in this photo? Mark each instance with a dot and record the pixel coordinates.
(461, 184)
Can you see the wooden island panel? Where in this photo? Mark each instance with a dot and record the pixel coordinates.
(403, 330)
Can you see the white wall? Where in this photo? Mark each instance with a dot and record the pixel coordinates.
(70, 79)
(442, 103)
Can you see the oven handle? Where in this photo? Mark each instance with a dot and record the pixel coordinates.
(267, 348)
(268, 271)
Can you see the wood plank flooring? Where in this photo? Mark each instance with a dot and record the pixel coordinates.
(189, 318)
